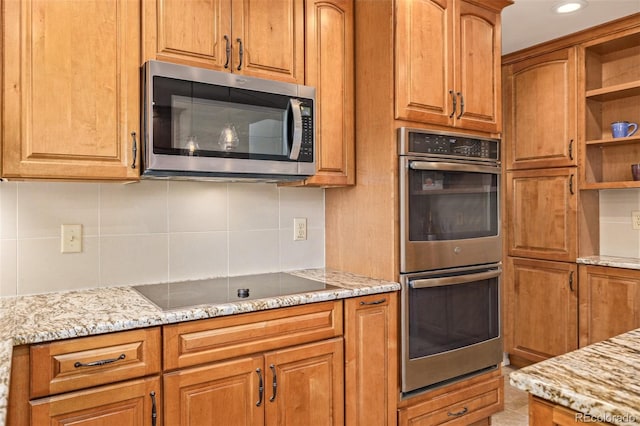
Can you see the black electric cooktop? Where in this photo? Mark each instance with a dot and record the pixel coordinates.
(230, 289)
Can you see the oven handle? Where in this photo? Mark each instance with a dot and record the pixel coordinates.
(435, 165)
(460, 279)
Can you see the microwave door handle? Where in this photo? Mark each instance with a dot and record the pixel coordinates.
(435, 165)
(461, 279)
(296, 138)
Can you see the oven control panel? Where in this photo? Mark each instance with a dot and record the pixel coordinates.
(421, 142)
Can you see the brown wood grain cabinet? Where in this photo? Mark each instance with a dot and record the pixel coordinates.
(542, 308)
(448, 72)
(329, 67)
(248, 37)
(71, 100)
(546, 413)
(609, 302)
(541, 208)
(371, 360)
(540, 111)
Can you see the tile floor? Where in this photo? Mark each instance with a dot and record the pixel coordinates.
(515, 405)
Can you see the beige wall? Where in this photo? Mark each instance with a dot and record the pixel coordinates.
(152, 231)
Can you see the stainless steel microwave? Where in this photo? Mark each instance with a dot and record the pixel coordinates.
(205, 124)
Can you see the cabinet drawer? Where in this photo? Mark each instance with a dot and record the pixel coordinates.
(80, 363)
(461, 407)
(214, 339)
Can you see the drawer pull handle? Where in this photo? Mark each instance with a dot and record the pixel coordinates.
(154, 410)
(260, 387)
(134, 150)
(375, 302)
(274, 383)
(458, 413)
(98, 363)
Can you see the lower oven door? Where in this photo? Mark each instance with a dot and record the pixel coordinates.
(450, 325)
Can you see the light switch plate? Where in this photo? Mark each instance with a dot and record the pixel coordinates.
(71, 238)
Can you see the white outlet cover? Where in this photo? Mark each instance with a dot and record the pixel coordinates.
(299, 228)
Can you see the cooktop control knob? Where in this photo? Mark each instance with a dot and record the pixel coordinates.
(243, 292)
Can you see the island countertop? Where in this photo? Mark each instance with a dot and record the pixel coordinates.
(600, 380)
(67, 314)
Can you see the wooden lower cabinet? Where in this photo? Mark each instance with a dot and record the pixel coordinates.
(468, 402)
(293, 386)
(371, 360)
(131, 403)
(545, 413)
(609, 302)
(541, 301)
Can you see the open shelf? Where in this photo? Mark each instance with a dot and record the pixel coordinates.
(619, 91)
(614, 141)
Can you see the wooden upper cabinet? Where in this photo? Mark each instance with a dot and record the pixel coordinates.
(540, 111)
(329, 65)
(72, 93)
(609, 302)
(249, 37)
(542, 214)
(448, 63)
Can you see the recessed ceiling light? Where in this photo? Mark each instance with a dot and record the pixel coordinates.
(569, 6)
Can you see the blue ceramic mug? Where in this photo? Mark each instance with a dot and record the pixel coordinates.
(621, 129)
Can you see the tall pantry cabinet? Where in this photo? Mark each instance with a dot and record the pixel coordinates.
(540, 142)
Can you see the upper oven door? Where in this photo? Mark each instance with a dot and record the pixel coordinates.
(449, 214)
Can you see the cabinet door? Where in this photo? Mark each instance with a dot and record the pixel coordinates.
(371, 370)
(190, 32)
(609, 302)
(329, 58)
(542, 308)
(540, 111)
(478, 69)
(132, 403)
(542, 214)
(305, 385)
(268, 39)
(71, 74)
(424, 61)
(225, 393)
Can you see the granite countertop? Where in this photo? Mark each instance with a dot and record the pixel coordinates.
(611, 261)
(62, 315)
(599, 380)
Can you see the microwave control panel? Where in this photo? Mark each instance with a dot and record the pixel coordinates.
(448, 145)
(306, 147)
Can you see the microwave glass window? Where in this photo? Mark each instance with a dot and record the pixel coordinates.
(209, 125)
(452, 205)
(448, 317)
(198, 119)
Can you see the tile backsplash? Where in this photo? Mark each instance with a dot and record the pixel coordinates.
(617, 236)
(152, 231)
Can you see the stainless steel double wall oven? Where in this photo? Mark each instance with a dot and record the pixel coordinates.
(450, 253)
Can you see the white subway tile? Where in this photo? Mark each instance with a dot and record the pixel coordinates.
(304, 254)
(137, 208)
(198, 255)
(301, 202)
(253, 206)
(43, 207)
(253, 252)
(43, 268)
(8, 210)
(8, 267)
(197, 206)
(134, 259)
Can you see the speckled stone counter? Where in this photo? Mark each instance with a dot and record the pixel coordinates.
(601, 380)
(611, 261)
(63, 315)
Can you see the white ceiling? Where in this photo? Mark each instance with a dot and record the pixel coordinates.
(529, 22)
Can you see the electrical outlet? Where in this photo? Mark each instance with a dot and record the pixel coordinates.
(635, 220)
(299, 228)
(71, 238)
